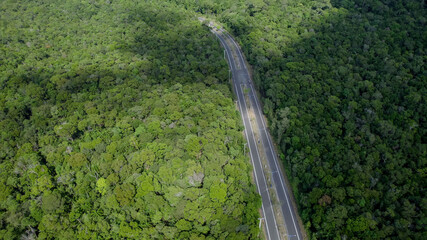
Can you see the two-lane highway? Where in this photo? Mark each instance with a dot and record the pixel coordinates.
(242, 80)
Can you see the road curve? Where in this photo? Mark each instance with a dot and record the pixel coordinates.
(241, 79)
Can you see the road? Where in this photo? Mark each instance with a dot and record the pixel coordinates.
(241, 80)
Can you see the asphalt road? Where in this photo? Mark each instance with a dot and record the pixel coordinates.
(241, 80)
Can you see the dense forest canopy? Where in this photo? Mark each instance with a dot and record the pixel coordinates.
(117, 123)
(344, 88)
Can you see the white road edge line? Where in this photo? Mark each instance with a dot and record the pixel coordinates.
(228, 56)
(278, 169)
(250, 149)
(252, 159)
(238, 50)
(262, 171)
(268, 139)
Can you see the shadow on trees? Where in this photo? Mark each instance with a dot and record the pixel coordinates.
(178, 49)
(149, 45)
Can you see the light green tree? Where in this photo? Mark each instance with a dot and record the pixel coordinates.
(102, 186)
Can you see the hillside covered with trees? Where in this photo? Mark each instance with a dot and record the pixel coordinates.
(117, 123)
(344, 88)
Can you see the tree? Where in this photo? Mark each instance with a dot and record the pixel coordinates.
(102, 186)
(218, 192)
(124, 193)
(51, 202)
(77, 160)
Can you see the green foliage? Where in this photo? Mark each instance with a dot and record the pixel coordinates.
(113, 116)
(183, 225)
(145, 185)
(124, 193)
(77, 160)
(102, 186)
(218, 192)
(50, 202)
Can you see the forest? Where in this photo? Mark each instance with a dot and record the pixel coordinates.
(117, 122)
(343, 85)
(117, 119)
